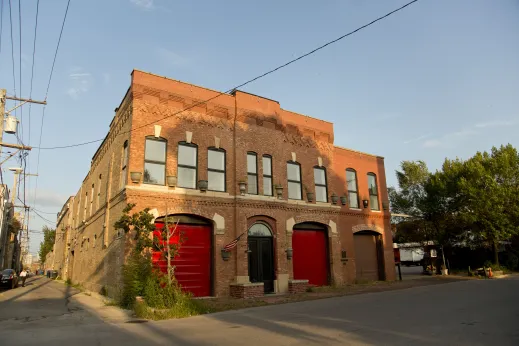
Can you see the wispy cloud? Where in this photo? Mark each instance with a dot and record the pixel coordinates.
(171, 58)
(412, 140)
(146, 5)
(449, 139)
(496, 123)
(50, 199)
(80, 82)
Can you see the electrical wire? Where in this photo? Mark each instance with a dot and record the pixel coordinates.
(57, 48)
(46, 94)
(20, 63)
(245, 83)
(44, 219)
(32, 69)
(12, 50)
(44, 212)
(31, 85)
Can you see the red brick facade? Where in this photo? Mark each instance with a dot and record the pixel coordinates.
(297, 286)
(237, 123)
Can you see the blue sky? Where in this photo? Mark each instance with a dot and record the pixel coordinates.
(438, 79)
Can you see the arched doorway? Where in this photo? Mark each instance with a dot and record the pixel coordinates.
(261, 256)
(368, 245)
(193, 262)
(310, 256)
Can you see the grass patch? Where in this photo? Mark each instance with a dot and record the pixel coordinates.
(76, 286)
(182, 309)
(111, 303)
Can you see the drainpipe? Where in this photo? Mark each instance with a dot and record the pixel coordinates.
(235, 182)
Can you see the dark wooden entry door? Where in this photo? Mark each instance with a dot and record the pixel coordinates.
(261, 262)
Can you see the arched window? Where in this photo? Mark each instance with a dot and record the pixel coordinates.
(98, 191)
(91, 199)
(373, 191)
(216, 169)
(294, 180)
(259, 230)
(124, 164)
(321, 188)
(187, 165)
(252, 173)
(353, 192)
(155, 161)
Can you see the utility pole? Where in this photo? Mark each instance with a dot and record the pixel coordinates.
(2, 112)
(3, 98)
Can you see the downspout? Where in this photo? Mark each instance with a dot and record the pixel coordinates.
(235, 182)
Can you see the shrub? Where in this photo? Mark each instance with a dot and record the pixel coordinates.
(511, 261)
(136, 272)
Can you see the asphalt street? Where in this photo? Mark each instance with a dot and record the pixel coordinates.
(471, 312)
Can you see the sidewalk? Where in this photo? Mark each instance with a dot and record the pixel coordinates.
(96, 304)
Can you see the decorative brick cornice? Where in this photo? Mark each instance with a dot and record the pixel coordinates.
(123, 114)
(252, 207)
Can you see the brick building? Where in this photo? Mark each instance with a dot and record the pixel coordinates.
(236, 164)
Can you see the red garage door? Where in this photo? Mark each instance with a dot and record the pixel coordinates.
(193, 262)
(310, 259)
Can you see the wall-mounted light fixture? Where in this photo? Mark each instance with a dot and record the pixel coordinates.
(290, 253)
(365, 202)
(226, 255)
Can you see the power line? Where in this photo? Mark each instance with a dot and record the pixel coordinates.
(44, 219)
(30, 91)
(20, 63)
(44, 212)
(32, 69)
(46, 94)
(245, 83)
(57, 48)
(12, 49)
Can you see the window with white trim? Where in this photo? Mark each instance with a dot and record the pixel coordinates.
(294, 180)
(216, 169)
(321, 190)
(155, 161)
(187, 167)
(267, 175)
(373, 191)
(353, 192)
(252, 173)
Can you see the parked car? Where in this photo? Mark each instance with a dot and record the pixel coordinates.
(9, 278)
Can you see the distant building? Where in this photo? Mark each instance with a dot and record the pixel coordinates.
(27, 260)
(308, 212)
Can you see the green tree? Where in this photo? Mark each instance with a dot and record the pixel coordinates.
(425, 201)
(49, 236)
(489, 193)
